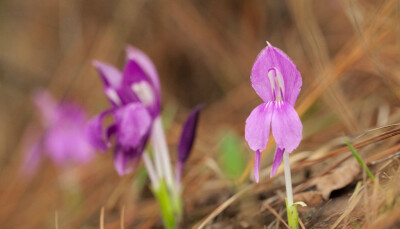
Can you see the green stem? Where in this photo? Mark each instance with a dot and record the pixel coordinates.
(293, 215)
(170, 205)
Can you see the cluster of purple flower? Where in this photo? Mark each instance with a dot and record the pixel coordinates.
(135, 106)
(135, 98)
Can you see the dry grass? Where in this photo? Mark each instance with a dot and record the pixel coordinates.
(347, 51)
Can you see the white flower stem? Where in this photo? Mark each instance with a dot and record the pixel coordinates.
(178, 176)
(288, 179)
(161, 150)
(157, 155)
(150, 170)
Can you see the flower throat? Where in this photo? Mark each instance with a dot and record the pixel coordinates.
(277, 84)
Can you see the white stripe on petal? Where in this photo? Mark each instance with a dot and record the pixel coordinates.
(113, 96)
(144, 92)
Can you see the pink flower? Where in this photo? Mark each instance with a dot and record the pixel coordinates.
(64, 139)
(277, 81)
(134, 94)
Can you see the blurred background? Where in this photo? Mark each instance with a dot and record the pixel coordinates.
(347, 53)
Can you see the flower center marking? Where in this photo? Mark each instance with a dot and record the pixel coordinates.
(144, 92)
(112, 94)
(277, 84)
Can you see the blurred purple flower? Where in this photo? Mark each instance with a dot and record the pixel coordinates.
(187, 139)
(277, 81)
(138, 82)
(135, 98)
(64, 139)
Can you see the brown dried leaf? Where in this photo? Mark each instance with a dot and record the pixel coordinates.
(337, 178)
(311, 198)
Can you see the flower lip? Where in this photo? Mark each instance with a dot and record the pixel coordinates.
(131, 130)
(258, 125)
(133, 123)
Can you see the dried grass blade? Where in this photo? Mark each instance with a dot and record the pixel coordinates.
(222, 207)
(276, 214)
(102, 218)
(355, 198)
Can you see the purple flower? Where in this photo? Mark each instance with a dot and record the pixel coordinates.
(187, 139)
(135, 98)
(277, 81)
(138, 82)
(64, 139)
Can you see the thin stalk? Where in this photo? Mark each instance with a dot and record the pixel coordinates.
(160, 145)
(291, 208)
(151, 171)
(167, 193)
(288, 178)
(178, 175)
(157, 154)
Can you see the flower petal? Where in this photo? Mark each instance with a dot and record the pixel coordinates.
(132, 128)
(47, 106)
(70, 112)
(286, 126)
(126, 157)
(140, 59)
(127, 95)
(82, 151)
(258, 126)
(259, 77)
(65, 138)
(277, 160)
(95, 132)
(111, 76)
(134, 123)
(111, 130)
(147, 95)
(121, 160)
(140, 76)
(188, 134)
(272, 57)
(67, 142)
(112, 79)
